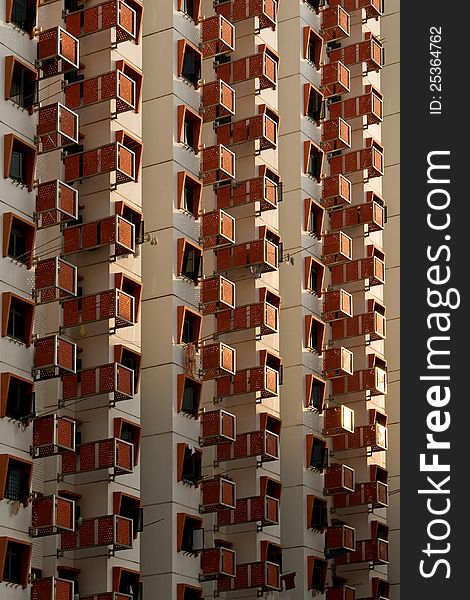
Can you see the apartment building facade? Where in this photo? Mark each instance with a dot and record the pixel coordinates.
(195, 408)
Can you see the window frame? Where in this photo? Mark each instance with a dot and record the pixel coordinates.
(9, 15)
(322, 503)
(11, 220)
(182, 519)
(136, 430)
(11, 64)
(5, 383)
(181, 461)
(5, 460)
(313, 152)
(312, 40)
(311, 441)
(310, 378)
(181, 386)
(9, 300)
(185, 178)
(187, 115)
(183, 46)
(182, 245)
(13, 143)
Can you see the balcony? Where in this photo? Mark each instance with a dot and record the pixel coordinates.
(372, 214)
(263, 66)
(113, 378)
(255, 509)
(261, 128)
(52, 435)
(336, 191)
(260, 314)
(217, 36)
(217, 230)
(343, 592)
(108, 530)
(336, 135)
(111, 158)
(335, 79)
(240, 10)
(216, 563)
(259, 189)
(56, 204)
(54, 356)
(339, 479)
(260, 256)
(218, 165)
(112, 453)
(337, 362)
(334, 24)
(89, 236)
(337, 305)
(218, 101)
(217, 360)
(264, 444)
(114, 85)
(111, 304)
(337, 420)
(374, 493)
(371, 551)
(52, 515)
(371, 269)
(54, 279)
(370, 159)
(51, 588)
(368, 105)
(366, 436)
(369, 51)
(373, 8)
(58, 52)
(217, 427)
(217, 494)
(339, 540)
(262, 574)
(217, 294)
(336, 249)
(115, 14)
(373, 381)
(262, 381)
(57, 127)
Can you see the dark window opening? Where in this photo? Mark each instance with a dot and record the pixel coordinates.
(20, 399)
(316, 396)
(23, 14)
(23, 90)
(129, 584)
(188, 198)
(72, 5)
(191, 327)
(69, 575)
(127, 433)
(315, 161)
(314, 334)
(319, 455)
(12, 567)
(17, 171)
(36, 573)
(188, 7)
(188, 133)
(318, 576)
(132, 361)
(17, 244)
(315, 4)
(316, 106)
(191, 66)
(312, 222)
(274, 555)
(319, 515)
(191, 396)
(189, 527)
(17, 321)
(17, 483)
(130, 508)
(192, 465)
(191, 594)
(192, 264)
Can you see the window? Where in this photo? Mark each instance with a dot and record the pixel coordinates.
(17, 318)
(317, 453)
(189, 528)
(317, 570)
(189, 62)
(189, 193)
(313, 46)
(189, 464)
(189, 260)
(313, 215)
(135, 145)
(314, 333)
(314, 272)
(128, 582)
(188, 592)
(70, 573)
(317, 513)
(315, 393)
(18, 480)
(189, 395)
(189, 127)
(72, 5)
(271, 553)
(129, 432)
(129, 507)
(20, 82)
(129, 286)
(17, 397)
(313, 160)
(130, 359)
(315, 4)
(190, 8)
(314, 103)
(19, 160)
(22, 13)
(189, 326)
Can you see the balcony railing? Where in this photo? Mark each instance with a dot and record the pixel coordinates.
(239, 10)
(334, 24)
(88, 236)
(343, 592)
(260, 189)
(262, 380)
(339, 539)
(260, 314)
(336, 135)
(371, 268)
(336, 79)
(372, 551)
(371, 214)
(217, 36)
(52, 515)
(218, 165)
(108, 530)
(263, 66)
(339, 478)
(217, 360)
(52, 435)
(373, 436)
(371, 492)
(217, 294)
(218, 101)
(217, 427)
(368, 105)
(112, 378)
(112, 453)
(336, 191)
(57, 127)
(217, 562)
(370, 159)
(104, 16)
(264, 444)
(112, 157)
(58, 52)
(114, 85)
(111, 304)
(259, 128)
(373, 381)
(56, 203)
(369, 51)
(337, 305)
(337, 362)
(217, 229)
(52, 588)
(262, 509)
(259, 255)
(217, 494)
(54, 356)
(336, 248)
(54, 279)
(262, 574)
(373, 8)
